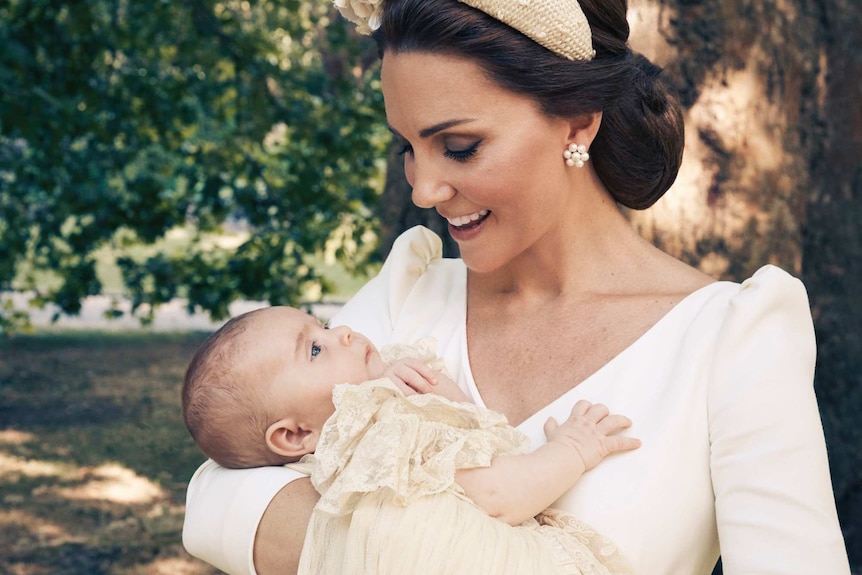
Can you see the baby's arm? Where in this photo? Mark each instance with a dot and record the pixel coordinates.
(515, 488)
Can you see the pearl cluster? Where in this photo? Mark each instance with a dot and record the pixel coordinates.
(576, 155)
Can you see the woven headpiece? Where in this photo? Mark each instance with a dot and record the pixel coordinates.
(558, 25)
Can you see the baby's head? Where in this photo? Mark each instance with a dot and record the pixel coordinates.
(259, 390)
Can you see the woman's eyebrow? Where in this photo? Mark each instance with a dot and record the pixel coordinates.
(436, 128)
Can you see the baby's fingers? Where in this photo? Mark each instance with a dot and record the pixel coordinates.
(407, 373)
(616, 443)
(613, 423)
(550, 426)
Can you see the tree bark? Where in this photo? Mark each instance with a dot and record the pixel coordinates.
(832, 253)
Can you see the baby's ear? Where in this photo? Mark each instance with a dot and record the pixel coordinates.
(286, 438)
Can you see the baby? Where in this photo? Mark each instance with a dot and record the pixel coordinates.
(406, 467)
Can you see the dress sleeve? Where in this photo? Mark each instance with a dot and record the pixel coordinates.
(773, 495)
(375, 309)
(224, 506)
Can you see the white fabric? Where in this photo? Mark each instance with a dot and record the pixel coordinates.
(721, 394)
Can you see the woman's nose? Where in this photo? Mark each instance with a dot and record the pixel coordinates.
(429, 187)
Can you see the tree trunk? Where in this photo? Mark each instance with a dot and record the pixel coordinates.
(832, 254)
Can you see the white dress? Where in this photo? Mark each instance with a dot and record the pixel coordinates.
(721, 394)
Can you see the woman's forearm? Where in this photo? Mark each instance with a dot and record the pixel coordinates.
(281, 532)
(518, 487)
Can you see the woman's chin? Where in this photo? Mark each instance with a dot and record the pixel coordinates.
(481, 261)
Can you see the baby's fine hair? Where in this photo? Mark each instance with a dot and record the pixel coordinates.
(224, 413)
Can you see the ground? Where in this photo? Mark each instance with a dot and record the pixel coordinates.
(94, 458)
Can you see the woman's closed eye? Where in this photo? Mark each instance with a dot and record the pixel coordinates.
(462, 154)
(459, 155)
(406, 148)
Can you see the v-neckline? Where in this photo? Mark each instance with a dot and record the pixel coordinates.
(684, 303)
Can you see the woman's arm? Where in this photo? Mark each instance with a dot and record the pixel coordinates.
(773, 497)
(281, 533)
(517, 487)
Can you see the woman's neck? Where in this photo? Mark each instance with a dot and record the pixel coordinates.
(590, 250)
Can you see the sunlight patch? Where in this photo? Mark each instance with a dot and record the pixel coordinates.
(169, 566)
(15, 437)
(114, 483)
(36, 525)
(11, 466)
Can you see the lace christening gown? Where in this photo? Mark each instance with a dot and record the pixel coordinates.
(385, 469)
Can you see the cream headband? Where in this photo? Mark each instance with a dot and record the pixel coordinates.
(558, 25)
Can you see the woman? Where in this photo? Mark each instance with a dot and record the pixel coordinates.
(526, 140)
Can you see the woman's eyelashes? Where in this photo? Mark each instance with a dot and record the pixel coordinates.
(463, 154)
(459, 155)
(405, 149)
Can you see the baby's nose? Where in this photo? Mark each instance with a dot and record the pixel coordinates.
(343, 333)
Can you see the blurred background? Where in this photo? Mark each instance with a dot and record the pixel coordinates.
(164, 165)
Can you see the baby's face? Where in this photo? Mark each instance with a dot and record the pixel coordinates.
(303, 361)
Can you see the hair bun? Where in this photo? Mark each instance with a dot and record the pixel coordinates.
(647, 85)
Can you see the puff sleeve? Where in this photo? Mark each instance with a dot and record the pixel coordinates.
(375, 309)
(773, 496)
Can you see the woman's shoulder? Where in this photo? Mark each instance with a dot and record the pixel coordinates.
(769, 290)
(764, 320)
(415, 282)
(769, 301)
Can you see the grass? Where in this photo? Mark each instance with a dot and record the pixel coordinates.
(94, 457)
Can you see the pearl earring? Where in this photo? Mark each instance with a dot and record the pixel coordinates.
(576, 155)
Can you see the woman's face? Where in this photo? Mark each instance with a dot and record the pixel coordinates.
(485, 158)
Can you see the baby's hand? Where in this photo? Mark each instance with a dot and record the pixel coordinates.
(414, 376)
(590, 430)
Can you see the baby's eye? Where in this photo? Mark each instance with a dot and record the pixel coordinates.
(315, 350)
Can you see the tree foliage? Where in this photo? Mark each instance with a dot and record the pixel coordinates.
(123, 120)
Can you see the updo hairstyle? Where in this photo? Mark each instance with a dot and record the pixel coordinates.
(638, 149)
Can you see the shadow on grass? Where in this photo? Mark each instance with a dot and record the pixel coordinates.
(94, 457)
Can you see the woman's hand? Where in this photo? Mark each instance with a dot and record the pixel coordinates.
(414, 376)
(591, 431)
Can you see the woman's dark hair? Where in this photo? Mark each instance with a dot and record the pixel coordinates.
(638, 149)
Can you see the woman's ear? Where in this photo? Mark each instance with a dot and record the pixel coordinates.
(583, 129)
(286, 438)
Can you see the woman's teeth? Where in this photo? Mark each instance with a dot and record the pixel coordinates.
(464, 220)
